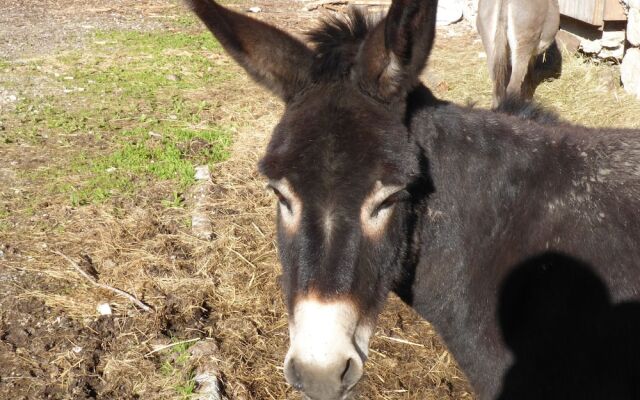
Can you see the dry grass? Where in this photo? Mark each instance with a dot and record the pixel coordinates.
(587, 93)
(226, 289)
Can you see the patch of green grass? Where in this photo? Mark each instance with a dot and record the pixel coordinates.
(125, 118)
(186, 21)
(187, 389)
(4, 64)
(155, 42)
(142, 157)
(174, 367)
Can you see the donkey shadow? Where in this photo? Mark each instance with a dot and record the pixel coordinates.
(546, 66)
(568, 339)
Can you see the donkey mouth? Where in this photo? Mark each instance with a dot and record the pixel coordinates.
(328, 349)
(348, 395)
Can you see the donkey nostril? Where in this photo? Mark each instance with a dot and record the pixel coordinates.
(292, 375)
(346, 369)
(351, 373)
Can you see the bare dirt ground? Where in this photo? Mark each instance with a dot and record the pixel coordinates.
(216, 303)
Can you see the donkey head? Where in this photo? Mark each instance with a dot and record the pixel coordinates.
(343, 167)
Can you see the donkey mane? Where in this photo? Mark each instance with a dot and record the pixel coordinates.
(336, 42)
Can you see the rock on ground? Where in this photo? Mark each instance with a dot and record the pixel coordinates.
(470, 10)
(630, 72)
(449, 12)
(205, 356)
(633, 26)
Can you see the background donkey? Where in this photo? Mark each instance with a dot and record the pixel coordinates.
(519, 242)
(514, 33)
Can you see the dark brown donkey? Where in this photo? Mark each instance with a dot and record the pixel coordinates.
(519, 241)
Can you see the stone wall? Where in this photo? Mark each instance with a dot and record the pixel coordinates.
(470, 10)
(630, 67)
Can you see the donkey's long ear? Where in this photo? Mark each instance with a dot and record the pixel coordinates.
(396, 51)
(272, 57)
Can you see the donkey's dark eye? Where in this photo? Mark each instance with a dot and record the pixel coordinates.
(397, 197)
(281, 199)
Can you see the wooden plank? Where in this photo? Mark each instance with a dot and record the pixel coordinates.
(331, 3)
(589, 11)
(613, 11)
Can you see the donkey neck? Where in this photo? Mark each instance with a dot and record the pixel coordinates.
(489, 171)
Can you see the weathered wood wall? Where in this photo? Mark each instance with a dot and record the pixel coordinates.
(593, 12)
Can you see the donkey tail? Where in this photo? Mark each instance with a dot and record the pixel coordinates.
(501, 58)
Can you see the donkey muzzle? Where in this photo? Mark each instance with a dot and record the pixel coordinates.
(328, 349)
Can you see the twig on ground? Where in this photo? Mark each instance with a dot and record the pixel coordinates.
(401, 341)
(332, 3)
(170, 345)
(94, 282)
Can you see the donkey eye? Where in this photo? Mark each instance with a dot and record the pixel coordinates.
(390, 201)
(281, 199)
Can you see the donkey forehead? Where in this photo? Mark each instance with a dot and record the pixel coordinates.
(335, 142)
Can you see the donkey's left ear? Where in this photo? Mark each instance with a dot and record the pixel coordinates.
(272, 57)
(396, 51)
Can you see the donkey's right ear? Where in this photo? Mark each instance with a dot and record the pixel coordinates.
(272, 57)
(396, 51)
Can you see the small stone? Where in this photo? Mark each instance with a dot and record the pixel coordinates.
(590, 46)
(630, 72)
(173, 77)
(255, 10)
(612, 39)
(443, 86)
(155, 135)
(206, 352)
(617, 53)
(202, 173)
(104, 309)
(209, 387)
(77, 349)
(633, 26)
(482, 55)
(449, 12)
(111, 170)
